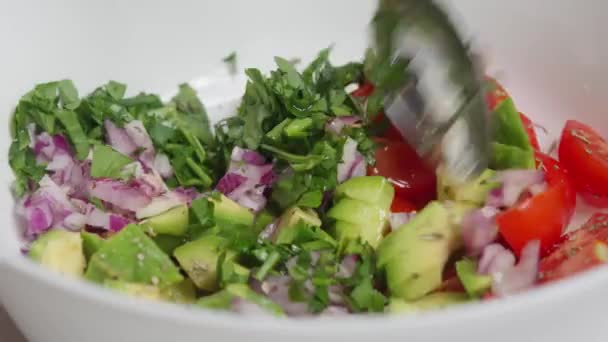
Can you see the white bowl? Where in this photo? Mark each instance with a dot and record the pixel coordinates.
(550, 54)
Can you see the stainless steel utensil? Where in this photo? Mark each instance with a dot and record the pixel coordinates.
(440, 109)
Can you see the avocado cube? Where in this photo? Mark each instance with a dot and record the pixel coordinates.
(131, 256)
(90, 243)
(60, 251)
(199, 259)
(358, 219)
(473, 192)
(475, 284)
(183, 292)
(171, 222)
(287, 225)
(228, 211)
(375, 190)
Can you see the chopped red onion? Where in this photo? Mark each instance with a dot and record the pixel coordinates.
(479, 229)
(519, 277)
(119, 139)
(74, 221)
(229, 182)
(247, 156)
(352, 161)
(337, 124)
(159, 205)
(118, 193)
(516, 182)
(269, 230)
(277, 289)
(397, 220)
(347, 267)
(495, 258)
(150, 183)
(117, 223)
(97, 218)
(163, 166)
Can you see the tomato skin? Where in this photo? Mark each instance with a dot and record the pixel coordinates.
(580, 250)
(364, 90)
(543, 216)
(412, 179)
(529, 126)
(585, 154)
(402, 205)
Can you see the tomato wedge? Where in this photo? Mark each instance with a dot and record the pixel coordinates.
(496, 95)
(402, 205)
(364, 90)
(580, 250)
(543, 216)
(585, 154)
(412, 179)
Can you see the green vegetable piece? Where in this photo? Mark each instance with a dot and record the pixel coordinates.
(91, 243)
(375, 190)
(475, 284)
(415, 255)
(131, 256)
(143, 291)
(511, 157)
(433, 301)
(108, 163)
(60, 251)
(474, 191)
(263, 219)
(168, 243)
(288, 222)
(508, 128)
(183, 292)
(199, 259)
(171, 222)
(227, 211)
(70, 122)
(223, 300)
(68, 94)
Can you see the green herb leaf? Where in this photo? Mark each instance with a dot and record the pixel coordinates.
(69, 120)
(108, 163)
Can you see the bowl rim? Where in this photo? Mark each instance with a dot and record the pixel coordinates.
(327, 326)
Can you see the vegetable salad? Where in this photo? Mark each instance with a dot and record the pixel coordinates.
(306, 202)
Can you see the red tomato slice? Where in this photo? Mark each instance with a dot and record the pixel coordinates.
(411, 177)
(595, 229)
(585, 154)
(401, 205)
(529, 126)
(364, 90)
(543, 216)
(391, 133)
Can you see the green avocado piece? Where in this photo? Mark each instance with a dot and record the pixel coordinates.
(415, 255)
(90, 243)
(199, 259)
(60, 251)
(183, 292)
(508, 127)
(511, 157)
(171, 222)
(228, 211)
(223, 300)
(168, 243)
(374, 190)
(432, 301)
(144, 291)
(288, 222)
(475, 284)
(474, 191)
(358, 219)
(131, 256)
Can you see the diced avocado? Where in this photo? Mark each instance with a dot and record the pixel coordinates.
(90, 243)
(374, 190)
(223, 300)
(168, 243)
(286, 227)
(171, 222)
(144, 291)
(183, 292)
(61, 251)
(228, 211)
(432, 301)
(199, 259)
(231, 272)
(474, 191)
(131, 256)
(414, 255)
(511, 157)
(475, 284)
(263, 219)
(355, 218)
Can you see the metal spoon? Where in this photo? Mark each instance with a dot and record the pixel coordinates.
(439, 107)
